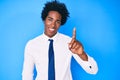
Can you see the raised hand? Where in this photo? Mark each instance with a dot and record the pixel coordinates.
(74, 45)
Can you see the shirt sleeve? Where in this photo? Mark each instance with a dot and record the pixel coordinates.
(28, 65)
(89, 66)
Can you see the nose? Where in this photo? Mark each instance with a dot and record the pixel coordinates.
(53, 24)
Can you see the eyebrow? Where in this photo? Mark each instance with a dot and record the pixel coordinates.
(52, 18)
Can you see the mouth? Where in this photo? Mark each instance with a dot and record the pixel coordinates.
(51, 29)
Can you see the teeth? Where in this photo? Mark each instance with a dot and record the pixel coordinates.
(51, 29)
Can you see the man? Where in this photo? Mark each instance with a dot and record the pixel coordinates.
(55, 14)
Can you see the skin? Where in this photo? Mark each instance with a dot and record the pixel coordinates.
(52, 24)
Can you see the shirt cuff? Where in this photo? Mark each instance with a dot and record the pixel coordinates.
(89, 66)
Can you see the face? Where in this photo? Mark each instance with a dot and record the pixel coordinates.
(52, 23)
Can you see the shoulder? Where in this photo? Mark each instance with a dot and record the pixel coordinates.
(64, 37)
(34, 41)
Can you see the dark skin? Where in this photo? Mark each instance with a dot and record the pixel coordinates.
(52, 24)
(76, 47)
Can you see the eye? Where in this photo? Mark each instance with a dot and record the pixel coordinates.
(58, 22)
(50, 19)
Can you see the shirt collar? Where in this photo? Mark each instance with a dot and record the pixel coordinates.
(54, 37)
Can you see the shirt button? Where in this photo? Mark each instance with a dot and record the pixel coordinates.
(90, 67)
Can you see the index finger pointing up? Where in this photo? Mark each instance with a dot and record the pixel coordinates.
(74, 33)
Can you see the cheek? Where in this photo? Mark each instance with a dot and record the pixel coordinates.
(47, 23)
(58, 26)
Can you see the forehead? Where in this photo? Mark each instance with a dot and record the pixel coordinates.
(54, 14)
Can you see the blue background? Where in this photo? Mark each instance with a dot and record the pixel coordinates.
(98, 28)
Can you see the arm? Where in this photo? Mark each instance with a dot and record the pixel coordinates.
(89, 66)
(28, 65)
(87, 62)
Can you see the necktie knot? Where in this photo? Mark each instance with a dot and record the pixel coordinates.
(51, 40)
(51, 44)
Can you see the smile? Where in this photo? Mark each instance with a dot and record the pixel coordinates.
(51, 29)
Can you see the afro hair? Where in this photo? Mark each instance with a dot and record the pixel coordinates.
(55, 6)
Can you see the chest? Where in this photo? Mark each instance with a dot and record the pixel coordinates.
(61, 53)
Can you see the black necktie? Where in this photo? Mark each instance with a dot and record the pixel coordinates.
(51, 69)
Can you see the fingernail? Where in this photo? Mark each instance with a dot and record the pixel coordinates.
(69, 46)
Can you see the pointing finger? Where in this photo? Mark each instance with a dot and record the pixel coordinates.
(73, 38)
(74, 33)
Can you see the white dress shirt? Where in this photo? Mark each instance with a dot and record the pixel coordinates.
(36, 53)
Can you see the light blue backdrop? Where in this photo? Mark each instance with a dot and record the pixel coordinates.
(98, 28)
